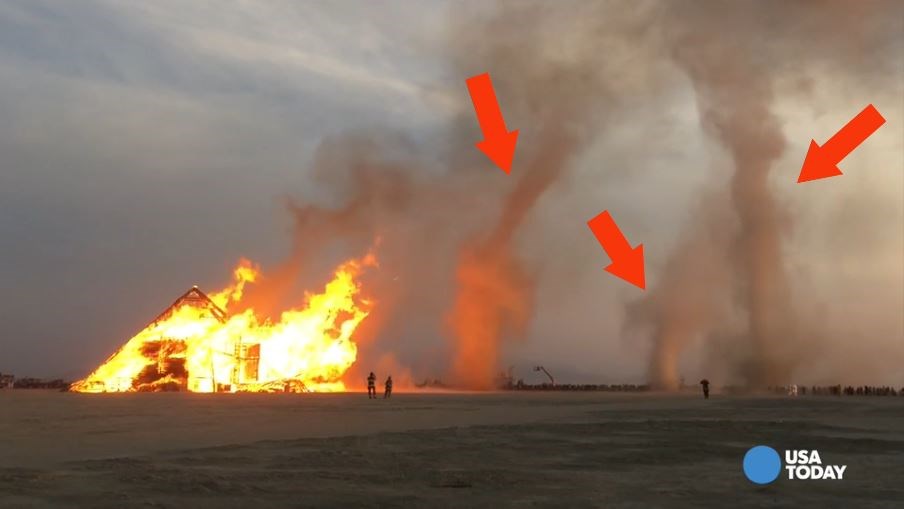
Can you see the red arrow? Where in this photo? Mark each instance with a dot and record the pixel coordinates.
(822, 161)
(498, 143)
(627, 262)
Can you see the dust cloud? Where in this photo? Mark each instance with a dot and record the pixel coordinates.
(454, 288)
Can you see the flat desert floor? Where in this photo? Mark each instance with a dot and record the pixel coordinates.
(439, 450)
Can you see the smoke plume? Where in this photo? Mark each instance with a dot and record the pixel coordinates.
(470, 212)
(451, 226)
(728, 281)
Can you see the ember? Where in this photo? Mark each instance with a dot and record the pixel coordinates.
(196, 344)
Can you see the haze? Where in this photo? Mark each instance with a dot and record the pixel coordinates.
(147, 148)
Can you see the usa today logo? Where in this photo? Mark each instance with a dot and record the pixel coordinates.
(762, 465)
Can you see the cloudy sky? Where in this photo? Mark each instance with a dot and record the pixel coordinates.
(146, 146)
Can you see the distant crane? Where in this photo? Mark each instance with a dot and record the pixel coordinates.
(541, 368)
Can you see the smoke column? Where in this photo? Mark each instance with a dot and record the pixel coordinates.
(494, 293)
(734, 97)
(732, 55)
(560, 101)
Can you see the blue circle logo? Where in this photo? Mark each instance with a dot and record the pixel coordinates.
(762, 464)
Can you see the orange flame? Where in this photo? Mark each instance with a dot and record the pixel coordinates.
(197, 346)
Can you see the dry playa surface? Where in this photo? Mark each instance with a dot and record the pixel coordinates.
(439, 450)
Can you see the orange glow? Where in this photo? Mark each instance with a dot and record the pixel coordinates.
(197, 345)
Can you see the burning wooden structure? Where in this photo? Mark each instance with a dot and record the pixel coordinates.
(165, 355)
(211, 343)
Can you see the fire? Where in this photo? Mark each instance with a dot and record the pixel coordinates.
(198, 345)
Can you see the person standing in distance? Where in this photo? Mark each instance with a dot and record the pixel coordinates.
(371, 386)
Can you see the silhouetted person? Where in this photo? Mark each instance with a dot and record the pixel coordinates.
(705, 384)
(371, 385)
(388, 392)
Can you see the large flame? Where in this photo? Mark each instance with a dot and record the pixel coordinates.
(197, 345)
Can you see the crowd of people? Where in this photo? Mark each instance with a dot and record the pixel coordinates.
(791, 390)
(837, 390)
(521, 386)
(9, 381)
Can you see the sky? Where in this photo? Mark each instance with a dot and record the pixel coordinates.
(146, 147)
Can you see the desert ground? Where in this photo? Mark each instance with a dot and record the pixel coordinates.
(438, 450)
